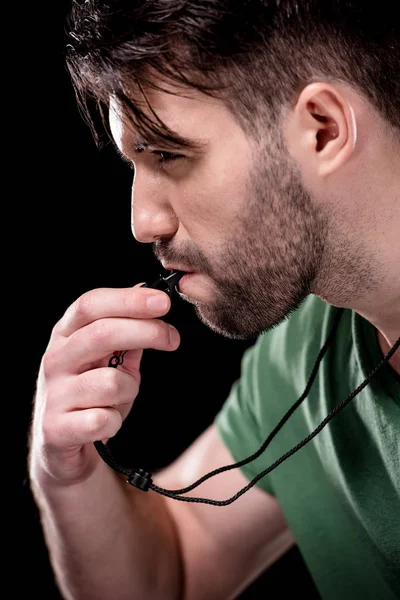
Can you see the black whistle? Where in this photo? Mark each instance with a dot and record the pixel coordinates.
(166, 284)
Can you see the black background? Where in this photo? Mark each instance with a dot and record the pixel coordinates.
(73, 224)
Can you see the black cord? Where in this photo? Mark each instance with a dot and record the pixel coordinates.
(143, 479)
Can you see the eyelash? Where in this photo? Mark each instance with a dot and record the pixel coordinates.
(166, 157)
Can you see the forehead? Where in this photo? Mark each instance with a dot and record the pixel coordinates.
(189, 113)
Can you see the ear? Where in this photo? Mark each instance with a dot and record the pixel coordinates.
(321, 129)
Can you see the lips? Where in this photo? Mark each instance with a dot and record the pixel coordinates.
(177, 268)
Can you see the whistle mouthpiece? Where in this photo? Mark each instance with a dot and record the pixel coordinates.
(166, 284)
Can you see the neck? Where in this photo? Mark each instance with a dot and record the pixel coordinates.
(385, 345)
(384, 315)
(381, 304)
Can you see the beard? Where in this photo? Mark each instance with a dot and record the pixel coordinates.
(271, 262)
(267, 266)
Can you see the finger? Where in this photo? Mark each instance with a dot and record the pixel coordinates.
(107, 302)
(90, 344)
(129, 361)
(81, 427)
(98, 388)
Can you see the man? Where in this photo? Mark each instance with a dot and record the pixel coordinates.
(265, 142)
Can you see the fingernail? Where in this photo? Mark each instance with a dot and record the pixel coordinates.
(173, 336)
(158, 303)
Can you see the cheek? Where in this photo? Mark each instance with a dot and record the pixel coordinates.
(212, 203)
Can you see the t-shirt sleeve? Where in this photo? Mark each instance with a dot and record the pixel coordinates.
(238, 424)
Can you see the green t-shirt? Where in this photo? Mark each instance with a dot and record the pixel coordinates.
(340, 493)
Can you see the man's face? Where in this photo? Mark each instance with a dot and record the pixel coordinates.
(234, 212)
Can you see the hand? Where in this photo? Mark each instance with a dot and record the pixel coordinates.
(79, 398)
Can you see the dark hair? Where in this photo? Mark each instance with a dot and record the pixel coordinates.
(256, 55)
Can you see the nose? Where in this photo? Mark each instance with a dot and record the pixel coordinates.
(152, 214)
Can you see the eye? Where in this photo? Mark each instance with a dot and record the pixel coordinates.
(166, 157)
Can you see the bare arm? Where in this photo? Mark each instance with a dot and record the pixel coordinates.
(223, 548)
(106, 539)
(109, 540)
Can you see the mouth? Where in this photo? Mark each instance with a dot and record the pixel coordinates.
(187, 278)
(173, 268)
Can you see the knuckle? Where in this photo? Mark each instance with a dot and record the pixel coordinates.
(129, 300)
(134, 302)
(58, 328)
(97, 420)
(83, 306)
(50, 433)
(100, 331)
(49, 361)
(110, 381)
(156, 329)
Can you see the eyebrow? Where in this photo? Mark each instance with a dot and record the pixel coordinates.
(140, 145)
